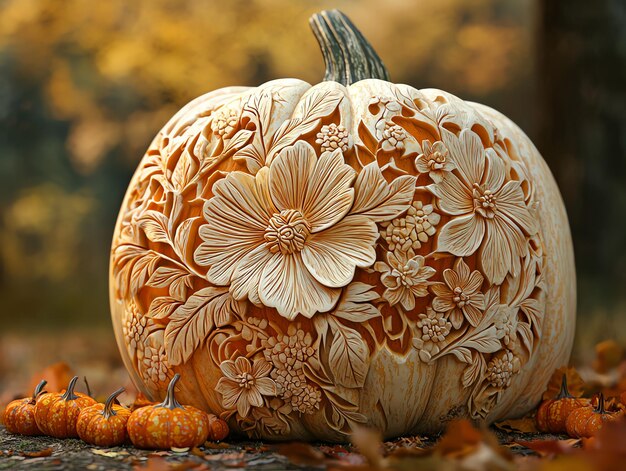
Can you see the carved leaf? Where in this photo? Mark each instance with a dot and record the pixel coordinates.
(191, 323)
(306, 117)
(473, 371)
(181, 239)
(238, 141)
(252, 155)
(185, 169)
(164, 276)
(162, 307)
(379, 200)
(348, 356)
(154, 224)
(141, 270)
(354, 305)
(485, 341)
(463, 354)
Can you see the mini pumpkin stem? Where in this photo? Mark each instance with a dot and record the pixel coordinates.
(69, 393)
(170, 401)
(564, 392)
(349, 57)
(108, 405)
(39, 388)
(600, 407)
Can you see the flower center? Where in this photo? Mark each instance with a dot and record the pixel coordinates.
(246, 380)
(460, 298)
(436, 160)
(484, 202)
(287, 232)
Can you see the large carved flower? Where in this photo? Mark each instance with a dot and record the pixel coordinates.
(283, 237)
(460, 295)
(491, 212)
(245, 384)
(405, 279)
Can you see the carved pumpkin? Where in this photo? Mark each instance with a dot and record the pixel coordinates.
(56, 413)
(19, 415)
(313, 258)
(585, 422)
(169, 424)
(104, 424)
(553, 413)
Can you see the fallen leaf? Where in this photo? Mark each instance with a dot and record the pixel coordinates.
(108, 453)
(460, 439)
(369, 443)
(575, 383)
(609, 354)
(523, 425)
(57, 375)
(551, 447)
(37, 454)
(301, 454)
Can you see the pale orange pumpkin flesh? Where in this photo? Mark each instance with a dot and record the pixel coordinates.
(19, 415)
(104, 424)
(315, 258)
(552, 414)
(56, 413)
(168, 425)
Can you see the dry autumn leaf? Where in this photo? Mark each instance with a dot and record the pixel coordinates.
(523, 425)
(57, 376)
(575, 383)
(609, 354)
(37, 454)
(551, 447)
(301, 454)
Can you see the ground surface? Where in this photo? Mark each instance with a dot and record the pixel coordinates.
(21, 453)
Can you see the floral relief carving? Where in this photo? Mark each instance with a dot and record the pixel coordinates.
(280, 240)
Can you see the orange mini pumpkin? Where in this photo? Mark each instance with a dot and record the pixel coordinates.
(553, 413)
(168, 424)
(218, 428)
(586, 421)
(104, 424)
(56, 413)
(19, 415)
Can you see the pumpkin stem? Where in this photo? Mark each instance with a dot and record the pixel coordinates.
(564, 392)
(108, 410)
(349, 57)
(170, 401)
(600, 407)
(69, 393)
(38, 390)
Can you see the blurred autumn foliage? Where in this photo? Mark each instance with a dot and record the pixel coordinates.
(84, 86)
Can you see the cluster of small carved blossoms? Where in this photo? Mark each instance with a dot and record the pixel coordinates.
(294, 229)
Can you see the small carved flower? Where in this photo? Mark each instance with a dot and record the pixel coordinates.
(288, 354)
(333, 136)
(434, 160)
(244, 384)
(501, 369)
(460, 295)
(505, 321)
(390, 105)
(134, 328)
(393, 136)
(434, 329)
(405, 279)
(224, 122)
(156, 369)
(410, 232)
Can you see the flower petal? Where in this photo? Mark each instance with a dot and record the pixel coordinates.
(394, 296)
(456, 318)
(261, 368)
(229, 369)
(451, 278)
(254, 397)
(329, 195)
(247, 275)
(467, 153)
(443, 304)
(290, 172)
(243, 406)
(495, 254)
(333, 255)
(287, 285)
(462, 236)
(510, 201)
(472, 314)
(266, 386)
(455, 197)
(229, 390)
(495, 172)
(243, 365)
(474, 282)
